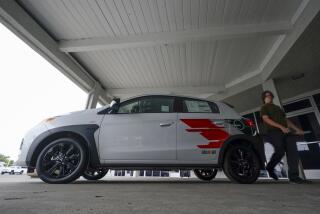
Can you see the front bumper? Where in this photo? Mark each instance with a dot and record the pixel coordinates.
(27, 141)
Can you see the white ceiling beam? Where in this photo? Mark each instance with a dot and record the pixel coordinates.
(303, 16)
(259, 71)
(151, 39)
(195, 90)
(14, 17)
(307, 10)
(242, 78)
(250, 82)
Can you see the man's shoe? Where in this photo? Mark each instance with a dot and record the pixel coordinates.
(272, 174)
(299, 180)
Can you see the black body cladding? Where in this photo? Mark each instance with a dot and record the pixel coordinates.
(84, 133)
(254, 141)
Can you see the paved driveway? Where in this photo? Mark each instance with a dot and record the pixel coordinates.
(21, 194)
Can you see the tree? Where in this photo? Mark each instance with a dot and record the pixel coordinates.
(6, 159)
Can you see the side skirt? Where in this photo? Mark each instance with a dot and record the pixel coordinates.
(159, 166)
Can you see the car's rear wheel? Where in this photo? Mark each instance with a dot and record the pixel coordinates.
(241, 164)
(205, 174)
(95, 174)
(62, 161)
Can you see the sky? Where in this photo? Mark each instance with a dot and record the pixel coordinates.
(31, 90)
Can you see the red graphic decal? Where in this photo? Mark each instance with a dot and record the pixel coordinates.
(215, 134)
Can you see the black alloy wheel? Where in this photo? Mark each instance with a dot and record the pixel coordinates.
(95, 174)
(62, 161)
(205, 174)
(241, 164)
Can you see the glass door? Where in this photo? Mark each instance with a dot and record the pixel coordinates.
(309, 149)
(305, 114)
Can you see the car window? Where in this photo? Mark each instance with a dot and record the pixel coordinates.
(156, 105)
(151, 104)
(199, 106)
(129, 107)
(214, 107)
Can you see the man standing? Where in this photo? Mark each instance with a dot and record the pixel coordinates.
(278, 129)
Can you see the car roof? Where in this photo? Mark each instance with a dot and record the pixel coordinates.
(166, 95)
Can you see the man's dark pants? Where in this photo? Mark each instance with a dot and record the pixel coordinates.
(284, 144)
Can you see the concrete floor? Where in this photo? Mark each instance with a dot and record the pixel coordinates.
(21, 194)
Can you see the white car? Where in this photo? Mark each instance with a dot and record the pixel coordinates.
(146, 132)
(2, 167)
(12, 170)
(5, 170)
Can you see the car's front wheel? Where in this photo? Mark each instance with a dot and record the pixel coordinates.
(62, 161)
(95, 174)
(205, 174)
(241, 164)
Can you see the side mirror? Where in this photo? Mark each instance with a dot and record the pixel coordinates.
(115, 101)
(113, 108)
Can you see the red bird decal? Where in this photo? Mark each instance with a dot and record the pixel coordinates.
(215, 134)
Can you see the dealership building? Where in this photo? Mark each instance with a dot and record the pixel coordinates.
(207, 49)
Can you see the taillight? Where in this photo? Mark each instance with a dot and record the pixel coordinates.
(249, 123)
(250, 126)
(246, 126)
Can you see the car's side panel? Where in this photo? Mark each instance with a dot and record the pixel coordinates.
(140, 136)
(200, 136)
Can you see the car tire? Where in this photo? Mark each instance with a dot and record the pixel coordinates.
(61, 161)
(95, 174)
(241, 164)
(205, 174)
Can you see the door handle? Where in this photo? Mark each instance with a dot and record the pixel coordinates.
(166, 124)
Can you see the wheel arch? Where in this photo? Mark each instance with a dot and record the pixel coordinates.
(255, 141)
(82, 133)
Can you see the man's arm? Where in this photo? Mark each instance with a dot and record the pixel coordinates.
(270, 122)
(294, 127)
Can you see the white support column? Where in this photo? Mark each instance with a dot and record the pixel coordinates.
(271, 86)
(93, 96)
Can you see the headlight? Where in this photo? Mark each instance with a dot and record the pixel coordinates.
(49, 119)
